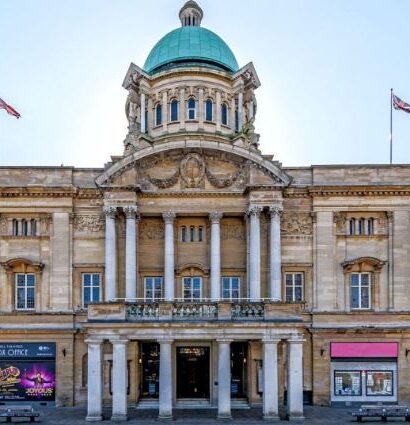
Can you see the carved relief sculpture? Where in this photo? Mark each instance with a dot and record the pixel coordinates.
(296, 224)
(89, 223)
(192, 171)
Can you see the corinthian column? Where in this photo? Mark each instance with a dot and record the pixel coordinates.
(215, 218)
(169, 218)
(130, 212)
(275, 254)
(110, 253)
(254, 272)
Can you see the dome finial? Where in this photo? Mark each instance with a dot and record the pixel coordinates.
(191, 14)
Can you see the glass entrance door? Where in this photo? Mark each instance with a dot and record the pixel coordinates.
(192, 372)
(239, 369)
(149, 362)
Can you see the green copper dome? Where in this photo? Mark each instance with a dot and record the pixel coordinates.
(190, 45)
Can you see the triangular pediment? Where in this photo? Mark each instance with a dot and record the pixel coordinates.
(194, 166)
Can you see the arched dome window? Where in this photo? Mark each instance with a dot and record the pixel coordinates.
(208, 110)
(224, 114)
(191, 108)
(174, 110)
(158, 114)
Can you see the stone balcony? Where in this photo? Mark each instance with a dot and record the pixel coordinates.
(177, 311)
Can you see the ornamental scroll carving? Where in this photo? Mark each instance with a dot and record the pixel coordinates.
(164, 183)
(232, 231)
(296, 224)
(151, 230)
(89, 223)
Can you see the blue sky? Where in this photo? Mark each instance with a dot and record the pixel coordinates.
(326, 68)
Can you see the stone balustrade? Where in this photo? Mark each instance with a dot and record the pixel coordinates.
(198, 310)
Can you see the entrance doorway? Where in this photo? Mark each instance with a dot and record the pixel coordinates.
(239, 369)
(149, 362)
(192, 372)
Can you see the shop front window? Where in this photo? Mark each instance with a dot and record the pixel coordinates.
(348, 383)
(379, 383)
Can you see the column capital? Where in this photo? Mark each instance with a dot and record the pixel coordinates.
(215, 216)
(131, 211)
(169, 216)
(275, 211)
(110, 211)
(254, 210)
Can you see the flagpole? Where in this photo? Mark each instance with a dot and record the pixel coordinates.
(391, 126)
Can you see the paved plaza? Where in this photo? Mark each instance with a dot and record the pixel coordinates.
(314, 416)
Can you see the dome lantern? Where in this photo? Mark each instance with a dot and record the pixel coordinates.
(191, 14)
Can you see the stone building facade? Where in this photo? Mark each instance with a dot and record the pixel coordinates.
(195, 270)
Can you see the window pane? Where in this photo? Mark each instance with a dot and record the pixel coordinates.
(289, 293)
(354, 278)
(225, 283)
(197, 283)
(208, 114)
(224, 115)
(87, 279)
(31, 280)
(183, 233)
(235, 283)
(379, 383)
(87, 296)
(235, 294)
(192, 234)
(158, 115)
(191, 103)
(348, 383)
(174, 110)
(226, 293)
(96, 294)
(236, 120)
(298, 279)
(355, 297)
(30, 297)
(365, 279)
(21, 279)
(298, 293)
(365, 297)
(289, 280)
(20, 298)
(200, 233)
(96, 279)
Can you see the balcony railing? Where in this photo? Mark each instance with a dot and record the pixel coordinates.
(204, 310)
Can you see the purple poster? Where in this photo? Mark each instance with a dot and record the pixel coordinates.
(27, 381)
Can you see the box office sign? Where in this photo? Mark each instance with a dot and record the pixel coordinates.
(27, 372)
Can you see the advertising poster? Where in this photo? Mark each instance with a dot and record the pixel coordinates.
(27, 372)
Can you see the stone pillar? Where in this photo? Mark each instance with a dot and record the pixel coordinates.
(295, 378)
(142, 111)
(130, 251)
(119, 379)
(165, 379)
(232, 114)
(270, 379)
(200, 111)
(254, 272)
(215, 218)
(165, 116)
(182, 108)
(224, 379)
(218, 111)
(110, 254)
(169, 278)
(275, 256)
(240, 110)
(94, 381)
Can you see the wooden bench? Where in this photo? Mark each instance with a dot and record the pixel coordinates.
(10, 412)
(382, 412)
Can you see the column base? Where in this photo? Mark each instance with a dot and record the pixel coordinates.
(295, 418)
(119, 418)
(94, 418)
(271, 418)
(224, 416)
(165, 417)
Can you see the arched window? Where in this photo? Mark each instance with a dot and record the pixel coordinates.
(33, 227)
(24, 227)
(191, 108)
(361, 226)
(146, 121)
(208, 110)
(236, 120)
(224, 114)
(200, 234)
(15, 227)
(352, 225)
(158, 114)
(174, 110)
(183, 234)
(192, 234)
(370, 226)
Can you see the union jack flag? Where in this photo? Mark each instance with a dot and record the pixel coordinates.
(400, 104)
(9, 109)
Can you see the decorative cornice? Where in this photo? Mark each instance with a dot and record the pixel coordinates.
(372, 261)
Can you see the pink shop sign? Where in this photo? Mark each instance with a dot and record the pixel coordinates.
(364, 349)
